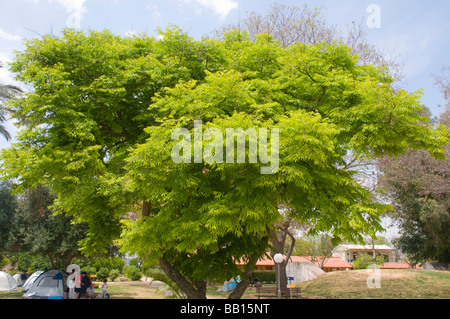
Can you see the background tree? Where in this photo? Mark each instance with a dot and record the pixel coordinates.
(319, 248)
(420, 190)
(290, 24)
(442, 81)
(37, 231)
(364, 260)
(8, 206)
(419, 187)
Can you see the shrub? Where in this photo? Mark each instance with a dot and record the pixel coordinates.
(137, 262)
(132, 272)
(266, 276)
(109, 263)
(103, 274)
(3, 262)
(30, 263)
(113, 274)
(363, 261)
(89, 270)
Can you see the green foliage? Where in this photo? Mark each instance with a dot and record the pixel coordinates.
(364, 260)
(424, 230)
(157, 274)
(89, 270)
(303, 247)
(103, 274)
(3, 262)
(109, 263)
(114, 274)
(420, 188)
(98, 126)
(23, 261)
(30, 263)
(39, 231)
(319, 246)
(137, 262)
(8, 206)
(266, 276)
(132, 272)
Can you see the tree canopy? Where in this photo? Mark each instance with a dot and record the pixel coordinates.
(98, 130)
(7, 209)
(419, 187)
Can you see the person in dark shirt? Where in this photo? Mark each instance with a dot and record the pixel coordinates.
(85, 284)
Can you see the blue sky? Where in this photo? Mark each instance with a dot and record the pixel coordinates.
(418, 32)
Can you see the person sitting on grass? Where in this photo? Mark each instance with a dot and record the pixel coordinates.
(90, 292)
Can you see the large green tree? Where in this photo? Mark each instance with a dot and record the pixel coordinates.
(99, 130)
(419, 188)
(290, 24)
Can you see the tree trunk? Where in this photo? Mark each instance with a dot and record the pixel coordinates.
(146, 207)
(242, 285)
(374, 256)
(52, 262)
(245, 281)
(196, 290)
(67, 260)
(278, 240)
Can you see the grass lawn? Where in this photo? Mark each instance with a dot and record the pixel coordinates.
(395, 284)
(132, 290)
(116, 290)
(12, 295)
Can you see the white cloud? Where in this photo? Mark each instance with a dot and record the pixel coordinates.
(5, 75)
(5, 57)
(156, 14)
(130, 33)
(218, 7)
(76, 9)
(8, 36)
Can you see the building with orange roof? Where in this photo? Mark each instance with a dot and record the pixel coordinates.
(392, 258)
(330, 263)
(342, 258)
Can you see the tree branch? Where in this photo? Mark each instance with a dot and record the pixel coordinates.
(196, 291)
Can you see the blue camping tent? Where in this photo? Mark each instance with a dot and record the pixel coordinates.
(31, 279)
(49, 285)
(230, 284)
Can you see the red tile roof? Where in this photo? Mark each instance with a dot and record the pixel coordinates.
(330, 262)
